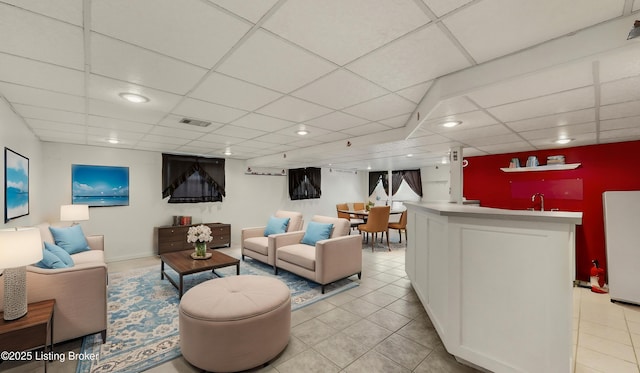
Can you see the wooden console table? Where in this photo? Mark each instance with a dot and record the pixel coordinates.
(174, 238)
(30, 331)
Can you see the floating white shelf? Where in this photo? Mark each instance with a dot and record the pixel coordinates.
(552, 167)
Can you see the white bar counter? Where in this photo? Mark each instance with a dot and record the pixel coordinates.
(497, 284)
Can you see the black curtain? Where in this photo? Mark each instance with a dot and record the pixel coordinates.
(374, 177)
(396, 180)
(414, 180)
(177, 169)
(304, 183)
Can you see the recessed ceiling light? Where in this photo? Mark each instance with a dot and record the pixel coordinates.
(369, 167)
(227, 152)
(563, 141)
(302, 132)
(133, 97)
(451, 123)
(113, 141)
(409, 155)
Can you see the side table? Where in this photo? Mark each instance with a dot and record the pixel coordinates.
(30, 331)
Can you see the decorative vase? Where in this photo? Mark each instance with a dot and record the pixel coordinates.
(201, 249)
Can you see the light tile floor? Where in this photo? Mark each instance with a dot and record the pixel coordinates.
(380, 326)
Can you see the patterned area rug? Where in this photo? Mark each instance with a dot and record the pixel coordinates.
(143, 314)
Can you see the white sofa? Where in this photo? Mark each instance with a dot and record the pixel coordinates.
(80, 292)
(335, 258)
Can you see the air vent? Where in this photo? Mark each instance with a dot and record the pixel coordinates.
(195, 122)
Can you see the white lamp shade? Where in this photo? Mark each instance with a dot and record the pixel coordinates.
(19, 247)
(74, 212)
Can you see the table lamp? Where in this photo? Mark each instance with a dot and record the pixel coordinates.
(19, 247)
(74, 213)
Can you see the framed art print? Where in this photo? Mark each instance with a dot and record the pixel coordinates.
(16, 185)
(99, 185)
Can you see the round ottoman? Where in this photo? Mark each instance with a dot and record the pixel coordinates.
(234, 323)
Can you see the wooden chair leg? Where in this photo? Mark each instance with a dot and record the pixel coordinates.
(388, 246)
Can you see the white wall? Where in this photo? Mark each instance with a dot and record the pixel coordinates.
(15, 135)
(435, 182)
(128, 230)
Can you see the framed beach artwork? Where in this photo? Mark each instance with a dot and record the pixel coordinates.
(16, 185)
(99, 185)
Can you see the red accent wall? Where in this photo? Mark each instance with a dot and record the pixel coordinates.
(604, 167)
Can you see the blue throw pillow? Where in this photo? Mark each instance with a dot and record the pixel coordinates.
(276, 225)
(50, 260)
(316, 232)
(70, 238)
(61, 253)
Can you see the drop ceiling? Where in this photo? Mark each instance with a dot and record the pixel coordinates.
(371, 80)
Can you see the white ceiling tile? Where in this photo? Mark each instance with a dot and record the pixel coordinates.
(38, 97)
(415, 93)
(625, 109)
(283, 67)
(554, 120)
(106, 89)
(188, 30)
(41, 38)
(224, 90)
(452, 106)
(165, 139)
(37, 74)
(337, 121)
(313, 132)
(474, 152)
(418, 57)
(38, 124)
(480, 132)
(384, 107)
(36, 112)
(427, 140)
(559, 132)
(64, 10)
(59, 136)
(107, 133)
(274, 138)
(257, 144)
(207, 111)
(251, 10)
(472, 119)
(625, 134)
(175, 132)
(221, 139)
(293, 109)
(512, 147)
(124, 111)
(241, 132)
(522, 24)
(340, 89)
(348, 29)
(544, 83)
(174, 121)
(262, 122)
(156, 147)
(621, 123)
(104, 142)
(118, 124)
(576, 99)
(396, 122)
(620, 91)
(366, 129)
(332, 136)
(578, 140)
(442, 7)
(620, 64)
(141, 66)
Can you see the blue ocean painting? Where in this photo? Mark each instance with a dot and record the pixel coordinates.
(100, 185)
(17, 185)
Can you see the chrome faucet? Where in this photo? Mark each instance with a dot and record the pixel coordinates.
(533, 198)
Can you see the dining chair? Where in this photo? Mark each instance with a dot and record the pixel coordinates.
(358, 206)
(345, 207)
(401, 225)
(378, 221)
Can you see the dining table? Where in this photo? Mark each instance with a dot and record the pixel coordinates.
(364, 214)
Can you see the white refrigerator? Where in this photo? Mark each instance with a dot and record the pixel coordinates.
(622, 237)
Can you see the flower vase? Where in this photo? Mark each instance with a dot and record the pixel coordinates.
(201, 249)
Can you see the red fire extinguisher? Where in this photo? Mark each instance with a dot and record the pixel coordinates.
(597, 278)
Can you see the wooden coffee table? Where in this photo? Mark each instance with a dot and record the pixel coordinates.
(183, 264)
